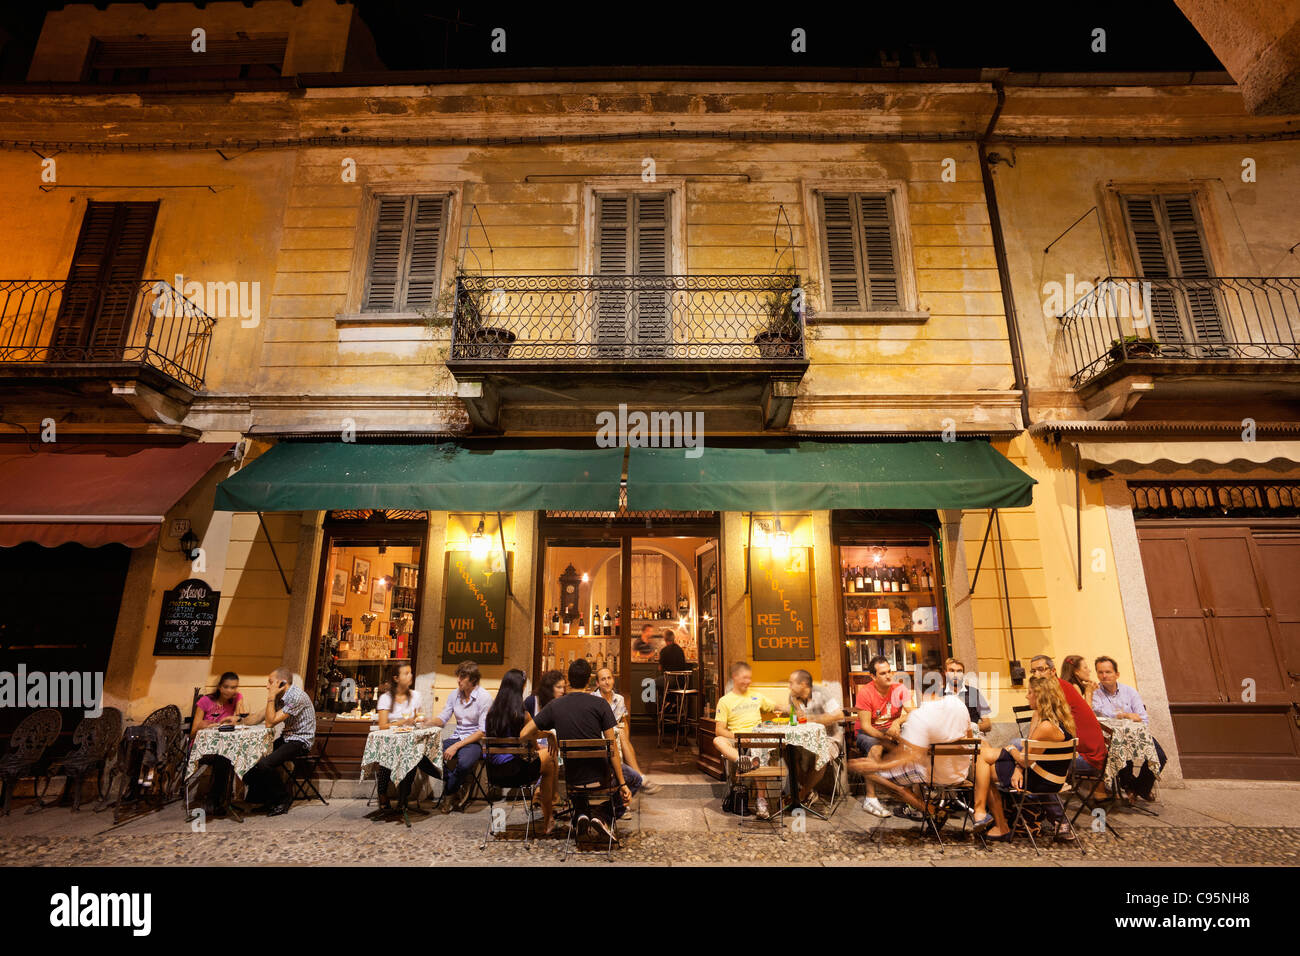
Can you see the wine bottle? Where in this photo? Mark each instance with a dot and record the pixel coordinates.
(858, 580)
(582, 628)
(566, 626)
(877, 584)
(608, 625)
(906, 583)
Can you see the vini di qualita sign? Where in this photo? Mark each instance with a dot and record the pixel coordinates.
(474, 609)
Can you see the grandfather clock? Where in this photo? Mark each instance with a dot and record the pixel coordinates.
(570, 581)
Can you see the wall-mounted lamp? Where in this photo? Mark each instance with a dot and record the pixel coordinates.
(478, 543)
(780, 541)
(190, 545)
(585, 578)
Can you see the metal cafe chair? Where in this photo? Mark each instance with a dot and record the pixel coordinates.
(26, 756)
(940, 798)
(93, 743)
(1083, 786)
(761, 775)
(603, 789)
(509, 747)
(1038, 751)
(303, 768)
(675, 705)
(1024, 715)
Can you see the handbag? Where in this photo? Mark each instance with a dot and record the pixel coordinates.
(736, 801)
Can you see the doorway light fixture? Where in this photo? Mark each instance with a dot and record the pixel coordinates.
(780, 541)
(478, 542)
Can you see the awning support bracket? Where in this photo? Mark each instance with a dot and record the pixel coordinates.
(748, 550)
(1078, 522)
(283, 579)
(996, 518)
(501, 530)
(980, 560)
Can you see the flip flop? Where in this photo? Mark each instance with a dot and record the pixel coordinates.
(984, 822)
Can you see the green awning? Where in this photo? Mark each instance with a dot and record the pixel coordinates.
(311, 476)
(809, 475)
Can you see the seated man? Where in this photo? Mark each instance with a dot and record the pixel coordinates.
(739, 712)
(582, 716)
(882, 705)
(939, 720)
(288, 705)
(955, 683)
(461, 751)
(1118, 701)
(820, 707)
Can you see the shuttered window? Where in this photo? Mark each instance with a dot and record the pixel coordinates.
(860, 251)
(104, 279)
(403, 273)
(1168, 243)
(632, 231)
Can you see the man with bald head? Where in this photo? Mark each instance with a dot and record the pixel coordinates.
(288, 705)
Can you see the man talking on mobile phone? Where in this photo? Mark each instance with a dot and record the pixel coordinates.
(288, 705)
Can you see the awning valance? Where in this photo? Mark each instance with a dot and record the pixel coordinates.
(96, 495)
(827, 475)
(323, 476)
(1126, 457)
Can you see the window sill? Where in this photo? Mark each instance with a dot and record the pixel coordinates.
(373, 319)
(869, 318)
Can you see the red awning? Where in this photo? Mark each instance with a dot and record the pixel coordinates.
(96, 494)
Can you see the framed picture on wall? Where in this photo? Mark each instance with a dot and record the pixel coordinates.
(378, 591)
(360, 575)
(339, 586)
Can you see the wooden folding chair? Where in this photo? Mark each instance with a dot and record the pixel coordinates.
(1036, 752)
(603, 789)
(509, 747)
(774, 745)
(1084, 785)
(940, 797)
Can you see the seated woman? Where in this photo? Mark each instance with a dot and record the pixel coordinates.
(506, 718)
(400, 707)
(225, 705)
(1052, 723)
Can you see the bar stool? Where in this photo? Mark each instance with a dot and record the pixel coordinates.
(676, 704)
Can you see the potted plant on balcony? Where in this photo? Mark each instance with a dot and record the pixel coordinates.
(1133, 347)
(782, 335)
(464, 313)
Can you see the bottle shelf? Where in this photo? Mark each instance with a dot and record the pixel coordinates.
(862, 634)
(881, 594)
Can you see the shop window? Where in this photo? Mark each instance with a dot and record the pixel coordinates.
(369, 619)
(892, 603)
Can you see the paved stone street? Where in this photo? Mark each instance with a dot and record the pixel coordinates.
(1225, 824)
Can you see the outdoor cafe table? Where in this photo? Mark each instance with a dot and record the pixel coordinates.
(243, 747)
(400, 750)
(810, 736)
(1130, 742)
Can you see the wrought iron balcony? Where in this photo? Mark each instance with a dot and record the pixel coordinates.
(642, 320)
(91, 328)
(1183, 327)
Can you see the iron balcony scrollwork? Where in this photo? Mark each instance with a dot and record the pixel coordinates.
(147, 323)
(1127, 319)
(628, 318)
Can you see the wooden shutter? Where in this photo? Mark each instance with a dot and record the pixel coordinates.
(1168, 244)
(650, 235)
(860, 252)
(613, 258)
(405, 254)
(104, 280)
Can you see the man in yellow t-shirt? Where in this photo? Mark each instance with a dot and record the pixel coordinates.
(740, 712)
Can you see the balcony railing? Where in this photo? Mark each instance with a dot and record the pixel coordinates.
(1181, 321)
(67, 323)
(653, 319)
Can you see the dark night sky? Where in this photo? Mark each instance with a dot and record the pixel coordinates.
(1047, 35)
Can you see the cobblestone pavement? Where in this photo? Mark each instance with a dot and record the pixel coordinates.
(1194, 828)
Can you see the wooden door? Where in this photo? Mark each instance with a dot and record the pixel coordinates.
(1221, 648)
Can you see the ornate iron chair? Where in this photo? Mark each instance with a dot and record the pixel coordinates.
(93, 743)
(26, 755)
(158, 782)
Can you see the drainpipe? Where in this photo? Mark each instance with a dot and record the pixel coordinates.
(1000, 255)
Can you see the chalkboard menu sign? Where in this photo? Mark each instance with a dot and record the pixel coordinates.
(474, 611)
(187, 620)
(780, 602)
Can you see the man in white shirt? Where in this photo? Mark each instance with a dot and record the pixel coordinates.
(939, 720)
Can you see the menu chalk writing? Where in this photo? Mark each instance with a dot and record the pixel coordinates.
(780, 601)
(474, 612)
(187, 621)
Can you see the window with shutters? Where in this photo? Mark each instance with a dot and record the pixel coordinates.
(632, 239)
(104, 279)
(860, 253)
(1169, 249)
(404, 267)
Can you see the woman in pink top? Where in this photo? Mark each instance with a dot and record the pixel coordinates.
(225, 705)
